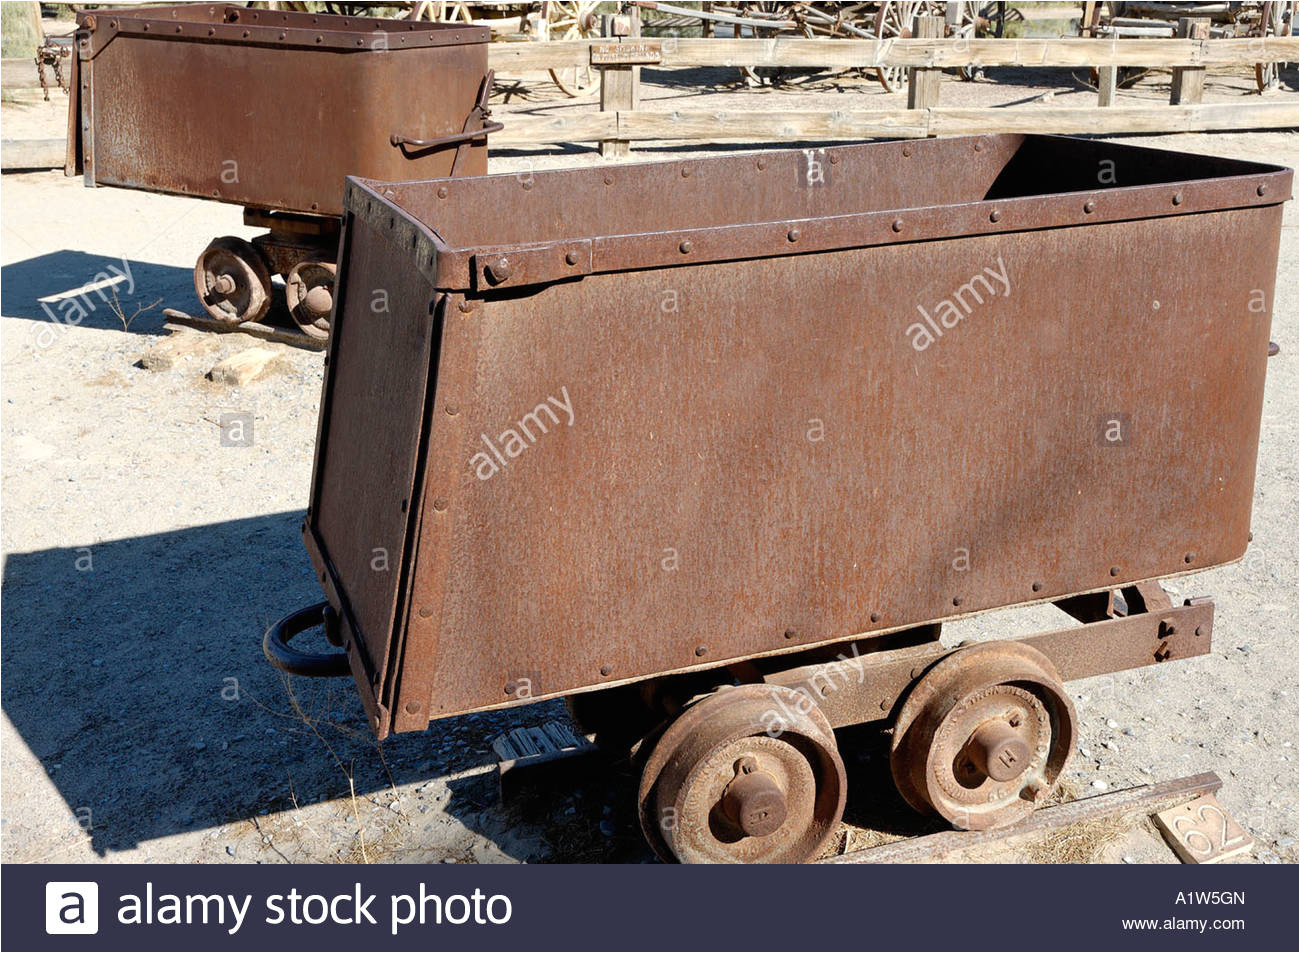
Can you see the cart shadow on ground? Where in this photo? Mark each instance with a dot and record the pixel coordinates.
(95, 291)
(134, 673)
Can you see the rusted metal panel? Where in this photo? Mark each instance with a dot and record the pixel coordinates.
(367, 466)
(271, 109)
(711, 448)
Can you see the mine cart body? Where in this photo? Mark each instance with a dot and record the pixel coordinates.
(588, 427)
(713, 448)
(270, 109)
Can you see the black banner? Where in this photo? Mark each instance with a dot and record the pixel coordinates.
(649, 907)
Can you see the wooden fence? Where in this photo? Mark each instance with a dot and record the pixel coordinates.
(619, 122)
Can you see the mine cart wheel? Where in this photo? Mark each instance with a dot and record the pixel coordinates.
(1275, 20)
(572, 20)
(232, 281)
(983, 736)
(748, 774)
(309, 290)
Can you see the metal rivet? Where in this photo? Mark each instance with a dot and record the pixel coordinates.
(762, 164)
(898, 225)
(1189, 557)
(875, 617)
(412, 708)
(1089, 206)
(979, 145)
(440, 504)
(834, 157)
(793, 234)
(510, 688)
(685, 248)
(609, 179)
(701, 650)
(571, 258)
(442, 191)
(686, 173)
(499, 270)
(1114, 570)
(1178, 198)
(907, 152)
(527, 184)
(1261, 190)
(451, 409)
(426, 611)
(1197, 631)
(956, 600)
(465, 306)
(994, 215)
(789, 633)
(884, 704)
(1037, 587)
(605, 670)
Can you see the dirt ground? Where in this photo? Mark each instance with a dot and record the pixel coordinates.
(143, 560)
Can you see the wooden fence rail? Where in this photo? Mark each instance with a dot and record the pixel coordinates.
(924, 53)
(829, 125)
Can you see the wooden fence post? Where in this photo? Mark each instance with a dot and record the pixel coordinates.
(923, 84)
(620, 86)
(1107, 80)
(1189, 80)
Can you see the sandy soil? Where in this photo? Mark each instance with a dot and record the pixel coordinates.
(142, 561)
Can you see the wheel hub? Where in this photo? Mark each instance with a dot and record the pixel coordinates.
(749, 774)
(983, 736)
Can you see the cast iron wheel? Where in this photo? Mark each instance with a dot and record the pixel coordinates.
(309, 291)
(983, 736)
(748, 774)
(232, 281)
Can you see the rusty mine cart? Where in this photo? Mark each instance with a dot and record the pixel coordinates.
(764, 403)
(272, 110)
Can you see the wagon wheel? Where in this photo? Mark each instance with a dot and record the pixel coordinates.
(894, 20)
(440, 11)
(233, 281)
(748, 774)
(983, 736)
(966, 27)
(758, 75)
(1275, 20)
(309, 291)
(571, 20)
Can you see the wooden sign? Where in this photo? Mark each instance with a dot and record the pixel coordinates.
(633, 53)
(1201, 832)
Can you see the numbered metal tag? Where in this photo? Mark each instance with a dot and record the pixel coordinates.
(1201, 832)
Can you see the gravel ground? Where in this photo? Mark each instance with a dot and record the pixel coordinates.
(142, 561)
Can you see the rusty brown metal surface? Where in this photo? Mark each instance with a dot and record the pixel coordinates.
(746, 452)
(270, 109)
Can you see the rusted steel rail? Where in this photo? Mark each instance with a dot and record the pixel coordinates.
(932, 847)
